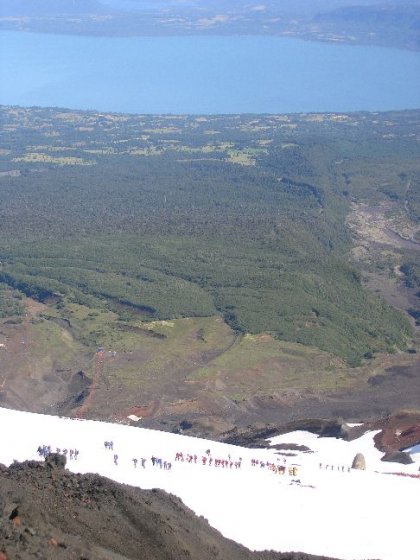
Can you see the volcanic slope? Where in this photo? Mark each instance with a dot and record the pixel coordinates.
(223, 263)
(47, 512)
(310, 510)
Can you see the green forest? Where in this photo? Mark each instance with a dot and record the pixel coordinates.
(180, 216)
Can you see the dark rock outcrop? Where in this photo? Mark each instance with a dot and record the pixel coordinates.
(398, 457)
(56, 461)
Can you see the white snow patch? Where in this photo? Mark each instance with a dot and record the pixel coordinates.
(348, 515)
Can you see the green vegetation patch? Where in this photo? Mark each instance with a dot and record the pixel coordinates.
(259, 364)
(10, 302)
(36, 157)
(264, 244)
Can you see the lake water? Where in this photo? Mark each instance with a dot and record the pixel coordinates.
(204, 74)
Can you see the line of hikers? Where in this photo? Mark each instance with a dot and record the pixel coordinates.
(277, 469)
(44, 450)
(207, 459)
(340, 468)
(156, 461)
(192, 458)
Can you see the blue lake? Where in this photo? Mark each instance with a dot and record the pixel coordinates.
(204, 74)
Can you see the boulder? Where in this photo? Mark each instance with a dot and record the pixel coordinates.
(359, 462)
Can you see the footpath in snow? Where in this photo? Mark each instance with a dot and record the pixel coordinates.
(323, 508)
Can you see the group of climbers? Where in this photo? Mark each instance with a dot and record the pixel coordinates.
(45, 450)
(206, 459)
(341, 468)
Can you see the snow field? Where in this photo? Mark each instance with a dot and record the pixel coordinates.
(355, 515)
(337, 452)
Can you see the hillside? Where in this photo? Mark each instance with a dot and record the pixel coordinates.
(182, 217)
(215, 267)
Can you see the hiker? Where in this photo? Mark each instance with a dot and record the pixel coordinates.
(116, 459)
(135, 463)
(143, 462)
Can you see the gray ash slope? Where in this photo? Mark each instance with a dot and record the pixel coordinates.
(47, 512)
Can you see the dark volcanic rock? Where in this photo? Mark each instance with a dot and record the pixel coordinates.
(398, 432)
(49, 513)
(256, 437)
(398, 457)
(291, 447)
(56, 461)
